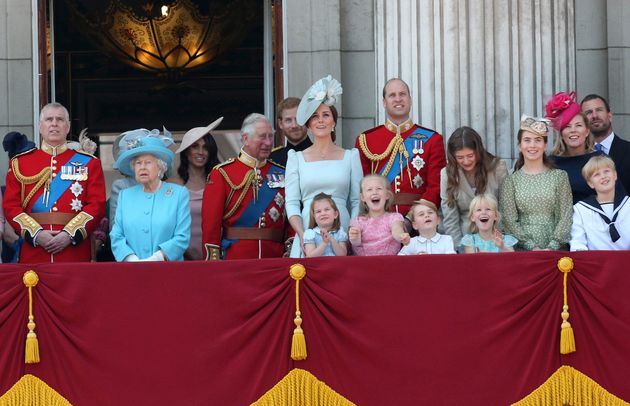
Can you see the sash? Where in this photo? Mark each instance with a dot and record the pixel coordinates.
(59, 186)
(591, 203)
(417, 134)
(250, 216)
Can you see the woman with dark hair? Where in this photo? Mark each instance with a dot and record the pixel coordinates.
(197, 156)
(536, 199)
(324, 167)
(574, 144)
(470, 171)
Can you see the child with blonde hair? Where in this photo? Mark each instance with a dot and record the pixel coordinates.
(485, 235)
(377, 231)
(425, 220)
(602, 221)
(325, 237)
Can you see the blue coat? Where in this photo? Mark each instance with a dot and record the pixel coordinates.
(147, 222)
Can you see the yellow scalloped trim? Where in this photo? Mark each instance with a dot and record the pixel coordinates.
(300, 387)
(32, 391)
(568, 386)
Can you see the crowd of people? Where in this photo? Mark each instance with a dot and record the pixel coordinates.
(398, 192)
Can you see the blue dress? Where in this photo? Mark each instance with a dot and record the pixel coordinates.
(481, 245)
(147, 222)
(314, 236)
(339, 178)
(573, 165)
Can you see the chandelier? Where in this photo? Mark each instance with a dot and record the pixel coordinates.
(169, 38)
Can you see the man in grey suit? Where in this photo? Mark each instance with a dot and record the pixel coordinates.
(597, 111)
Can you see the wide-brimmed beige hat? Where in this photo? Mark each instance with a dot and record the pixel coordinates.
(194, 134)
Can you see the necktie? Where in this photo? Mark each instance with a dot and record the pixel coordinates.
(598, 147)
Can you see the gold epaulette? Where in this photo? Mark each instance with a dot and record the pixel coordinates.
(278, 148)
(80, 151)
(229, 161)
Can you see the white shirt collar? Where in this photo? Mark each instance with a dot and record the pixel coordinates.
(433, 239)
(607, 143)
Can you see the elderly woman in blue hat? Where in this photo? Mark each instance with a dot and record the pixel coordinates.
(152, 217)
(324, 167)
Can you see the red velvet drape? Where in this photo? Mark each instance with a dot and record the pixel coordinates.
(427, 330)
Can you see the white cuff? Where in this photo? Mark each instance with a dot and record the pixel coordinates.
(131, 258)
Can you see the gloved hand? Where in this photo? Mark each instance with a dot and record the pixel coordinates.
(131, 258)
(157, 256)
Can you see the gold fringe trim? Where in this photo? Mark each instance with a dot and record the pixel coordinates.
(300, 387)
(31, 351)
(298, 342)
(568, 386)
(32, 391)
(567, 339)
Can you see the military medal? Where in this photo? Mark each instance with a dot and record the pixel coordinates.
(417, 162)
(417, 181)
(275, 180)
(279, 199)
(76, 189)
(274, 214)
(418, 149)
(74, 171)
(76, 205)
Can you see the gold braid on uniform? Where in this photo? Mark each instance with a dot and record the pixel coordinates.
(39, 180)
(397, 145)
(245, 184)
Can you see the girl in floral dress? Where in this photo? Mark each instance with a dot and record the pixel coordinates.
(377, 231)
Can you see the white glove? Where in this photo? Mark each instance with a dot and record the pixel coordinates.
(157, 256)
(131, 258)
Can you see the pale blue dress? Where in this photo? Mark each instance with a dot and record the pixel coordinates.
(147, 222)
(339, 178)
(314, 236)
(481, 245)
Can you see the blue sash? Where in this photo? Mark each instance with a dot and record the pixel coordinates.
(59, 186)
(417, 134)
(251, 214)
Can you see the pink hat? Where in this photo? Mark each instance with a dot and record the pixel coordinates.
(561, 109)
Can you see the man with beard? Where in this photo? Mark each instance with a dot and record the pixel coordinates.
(597, 111)
(295, 134)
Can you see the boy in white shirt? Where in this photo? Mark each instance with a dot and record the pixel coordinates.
(424, 219)
(601, 222)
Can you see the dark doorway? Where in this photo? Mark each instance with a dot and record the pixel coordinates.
(109, 96)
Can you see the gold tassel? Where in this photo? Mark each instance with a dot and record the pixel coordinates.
(31, 353)
(568, 386)
(567, 339)
(298, 342)
(30, 390)
(300, 387)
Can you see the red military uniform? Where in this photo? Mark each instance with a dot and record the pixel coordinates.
(410, 156)
(55, 188)
(243, 214)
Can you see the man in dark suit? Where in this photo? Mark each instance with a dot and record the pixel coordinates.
(297, 138)
(597, 111)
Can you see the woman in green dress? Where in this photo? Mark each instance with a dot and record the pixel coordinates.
(536, 200)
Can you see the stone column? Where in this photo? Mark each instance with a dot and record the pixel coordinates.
(480, 63)
(16, 72)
